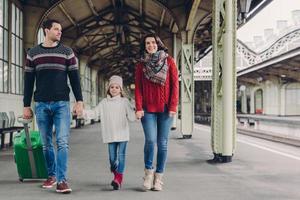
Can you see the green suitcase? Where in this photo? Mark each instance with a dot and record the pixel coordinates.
(29, 155)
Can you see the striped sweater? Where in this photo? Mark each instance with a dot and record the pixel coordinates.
(50, 67)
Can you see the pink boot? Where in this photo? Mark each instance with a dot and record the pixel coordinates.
(117, 182)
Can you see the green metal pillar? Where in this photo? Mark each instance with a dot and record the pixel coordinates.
(174, 124)
(187, 90)
(224, 80)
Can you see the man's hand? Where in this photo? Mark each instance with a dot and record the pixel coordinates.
(27, 113)
(78, 108)
(172, 113)
(139, 114)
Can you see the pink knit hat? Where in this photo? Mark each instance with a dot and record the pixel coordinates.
(117, 80)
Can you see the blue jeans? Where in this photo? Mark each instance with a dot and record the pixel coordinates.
(55, 113)
(117, 154)
(156, 129)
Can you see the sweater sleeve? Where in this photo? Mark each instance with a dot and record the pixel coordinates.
(97, 110)
(74, 77)
(130, 111)
(138, 88)
(29, 78)
(174, 85)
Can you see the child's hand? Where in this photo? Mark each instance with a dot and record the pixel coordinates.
(139, 114)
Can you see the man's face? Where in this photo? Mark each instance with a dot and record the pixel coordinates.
(54, 33)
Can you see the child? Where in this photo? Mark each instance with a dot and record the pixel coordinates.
(115, 110)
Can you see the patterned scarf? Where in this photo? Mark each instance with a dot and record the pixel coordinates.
(155, 67)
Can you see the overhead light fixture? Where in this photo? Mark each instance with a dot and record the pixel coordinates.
(244, 7)
(242, 88)
(259, 79)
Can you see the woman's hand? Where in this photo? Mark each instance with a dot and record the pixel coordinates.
(172, 114)
(139, 114)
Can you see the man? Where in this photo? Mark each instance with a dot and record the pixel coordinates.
(51, 63)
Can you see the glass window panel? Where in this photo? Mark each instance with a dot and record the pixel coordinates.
(5, 77)
(1, 77)
(21, 53)
(21, 25)
(13, 18)
(17, 51)
(1, 12)
(5, 45)
(13, 49)
(21, 80)
(17, 79)
(5, 18)
(17, 21)
(1, 43)
(13, 79)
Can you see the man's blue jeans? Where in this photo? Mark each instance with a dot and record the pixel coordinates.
(55, 113)
(117, 154)
(156, 129)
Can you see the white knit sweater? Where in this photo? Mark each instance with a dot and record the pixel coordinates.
(114, 115)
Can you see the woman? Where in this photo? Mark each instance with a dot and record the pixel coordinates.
(156, 96)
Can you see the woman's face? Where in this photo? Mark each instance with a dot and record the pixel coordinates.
(151, 45)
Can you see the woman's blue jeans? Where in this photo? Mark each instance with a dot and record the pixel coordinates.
(55, 113)
(117, 154)
(156, 129)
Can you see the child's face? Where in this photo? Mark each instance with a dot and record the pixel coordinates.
(114, 90)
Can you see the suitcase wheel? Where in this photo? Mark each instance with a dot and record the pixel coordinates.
(21, 180)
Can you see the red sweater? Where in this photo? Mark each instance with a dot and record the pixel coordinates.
(152, 97)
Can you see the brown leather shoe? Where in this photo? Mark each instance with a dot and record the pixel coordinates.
(62, 187)
(50, 182)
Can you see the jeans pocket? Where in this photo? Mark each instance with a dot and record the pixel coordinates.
(37, 106)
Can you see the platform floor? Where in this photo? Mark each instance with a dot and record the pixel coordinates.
(260, 170)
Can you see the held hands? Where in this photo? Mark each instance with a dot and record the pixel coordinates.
(27, 113)
(139, 114)
(78, 108)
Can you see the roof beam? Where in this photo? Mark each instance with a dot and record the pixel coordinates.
(62, 8)
(162, 17)
(248, 80)
(287, 73)
(113, 3)
(141, 7)
(192, 14)
(92, 7)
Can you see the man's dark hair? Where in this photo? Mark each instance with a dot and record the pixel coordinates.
(48, 24)
(160, 44)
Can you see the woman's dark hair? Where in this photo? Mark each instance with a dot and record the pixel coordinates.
(160, 44)
(48, 24)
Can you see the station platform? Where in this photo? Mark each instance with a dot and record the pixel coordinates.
(285, 129)
(260, 170)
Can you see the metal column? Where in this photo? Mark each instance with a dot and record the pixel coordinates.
(174, 124)
(244, 101)
(187, 90)
(224, 80)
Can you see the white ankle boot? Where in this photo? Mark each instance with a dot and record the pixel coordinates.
(157, 183)
(148, 179)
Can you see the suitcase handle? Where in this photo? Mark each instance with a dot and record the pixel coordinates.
(24, 121)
